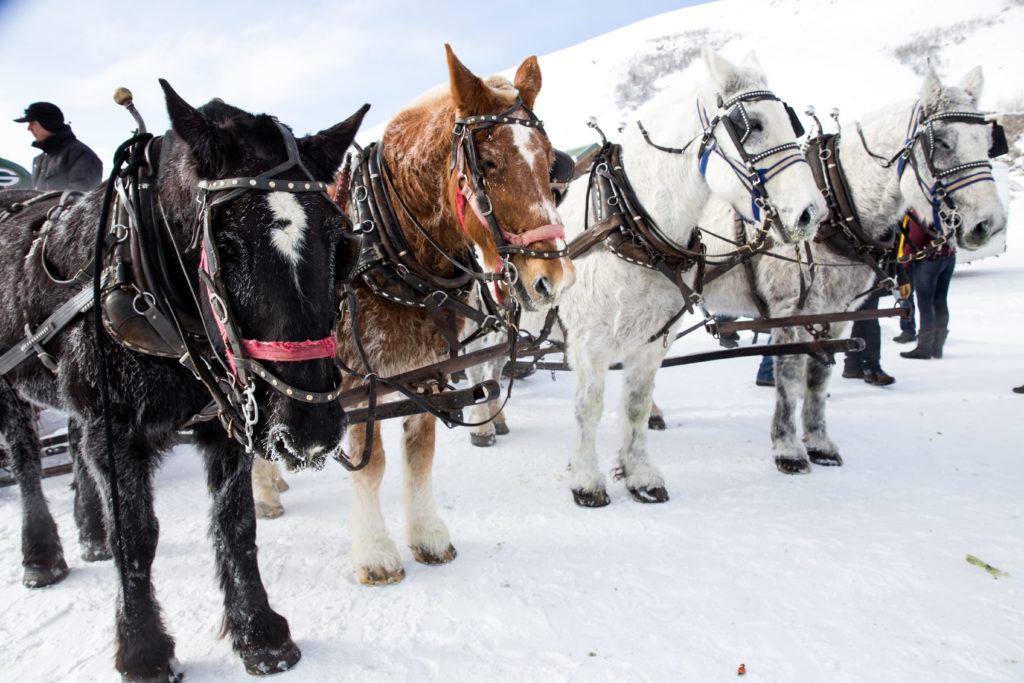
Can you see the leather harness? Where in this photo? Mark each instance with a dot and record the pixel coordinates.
(139, 288)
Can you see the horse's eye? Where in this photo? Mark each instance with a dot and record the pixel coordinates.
(489, 165)
(756, 126)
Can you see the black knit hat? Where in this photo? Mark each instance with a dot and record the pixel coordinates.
(47, 114)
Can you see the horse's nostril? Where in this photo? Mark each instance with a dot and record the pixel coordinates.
(805, 219)
(542, 287)
(980, 229)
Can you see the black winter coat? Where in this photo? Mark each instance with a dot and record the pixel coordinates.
(66, 163)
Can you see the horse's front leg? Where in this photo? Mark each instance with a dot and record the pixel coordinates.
(42, 554)
(427, 535)
(486, 434)
(788, 451)
(92, 527)
(643, 480)
(374, 555)
(144, 651)
(820, 448)
(259, 635)
(585, 479)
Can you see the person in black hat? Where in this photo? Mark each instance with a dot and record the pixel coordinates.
(66, 162)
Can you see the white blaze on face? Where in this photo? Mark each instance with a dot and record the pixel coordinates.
(288, 238)
(522, 137)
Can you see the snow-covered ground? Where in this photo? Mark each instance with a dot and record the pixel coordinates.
(851, 574)
(856, 573)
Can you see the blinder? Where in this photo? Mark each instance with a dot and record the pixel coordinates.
(740, 121)
(563, 168)
(346, 254)
(998, 146)
(794, 120)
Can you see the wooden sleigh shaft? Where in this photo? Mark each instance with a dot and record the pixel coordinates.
(448, 403)
(761, 324)
(820, 348)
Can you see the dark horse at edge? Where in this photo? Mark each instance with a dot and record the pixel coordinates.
(277, 249)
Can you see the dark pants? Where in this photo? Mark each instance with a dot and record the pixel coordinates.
(905, 276)
(931, 285)
(871, 332)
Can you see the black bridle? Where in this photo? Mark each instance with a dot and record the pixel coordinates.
(732, 116)
(464, 158)
(232, 385)
(946, 181)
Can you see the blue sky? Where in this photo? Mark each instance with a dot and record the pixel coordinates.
(309, 63)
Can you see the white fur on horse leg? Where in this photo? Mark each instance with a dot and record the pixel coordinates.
(374, 555)
(585, 479)
(427, 535)
(788, 452)
(265, 493)
(485, 434)
(279, 481)
(643, 480)
(820, 448)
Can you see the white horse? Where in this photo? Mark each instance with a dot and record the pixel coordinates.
(941, 135)
(703, 141)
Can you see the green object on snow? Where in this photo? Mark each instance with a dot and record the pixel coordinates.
(996, 573)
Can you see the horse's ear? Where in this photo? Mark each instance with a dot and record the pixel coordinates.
(723, 72)
(972, 83)
(470, 94)
(324, 151)
(753, 68)
(198, 132)
(528, 81)
(931, 90)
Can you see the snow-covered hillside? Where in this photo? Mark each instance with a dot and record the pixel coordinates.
(856, 573)
(852, 54)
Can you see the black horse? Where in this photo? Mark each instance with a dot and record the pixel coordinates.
(241, 250)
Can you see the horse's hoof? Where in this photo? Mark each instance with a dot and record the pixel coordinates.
(40, 577)
(656, 422)
(591, 499)
(267, 511)
(483, 440)
(95, 551)
(172, 674)
(272, 661)
(379, 576)
(792, 465)
(825, 459)
(656, 494)
(426, 557)
(500, 428)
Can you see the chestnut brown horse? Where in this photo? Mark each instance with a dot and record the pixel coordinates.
(469, 166)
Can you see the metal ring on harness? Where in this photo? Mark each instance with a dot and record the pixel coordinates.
(148, 298)
(511, 273)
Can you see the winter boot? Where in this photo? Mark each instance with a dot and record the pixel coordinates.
(940, 340)
(906, 336)
(878, 377)
(925, 344)
(853, 367)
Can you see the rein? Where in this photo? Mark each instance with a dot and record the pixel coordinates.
(732, 116)
(628, 231)
(389, 268)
